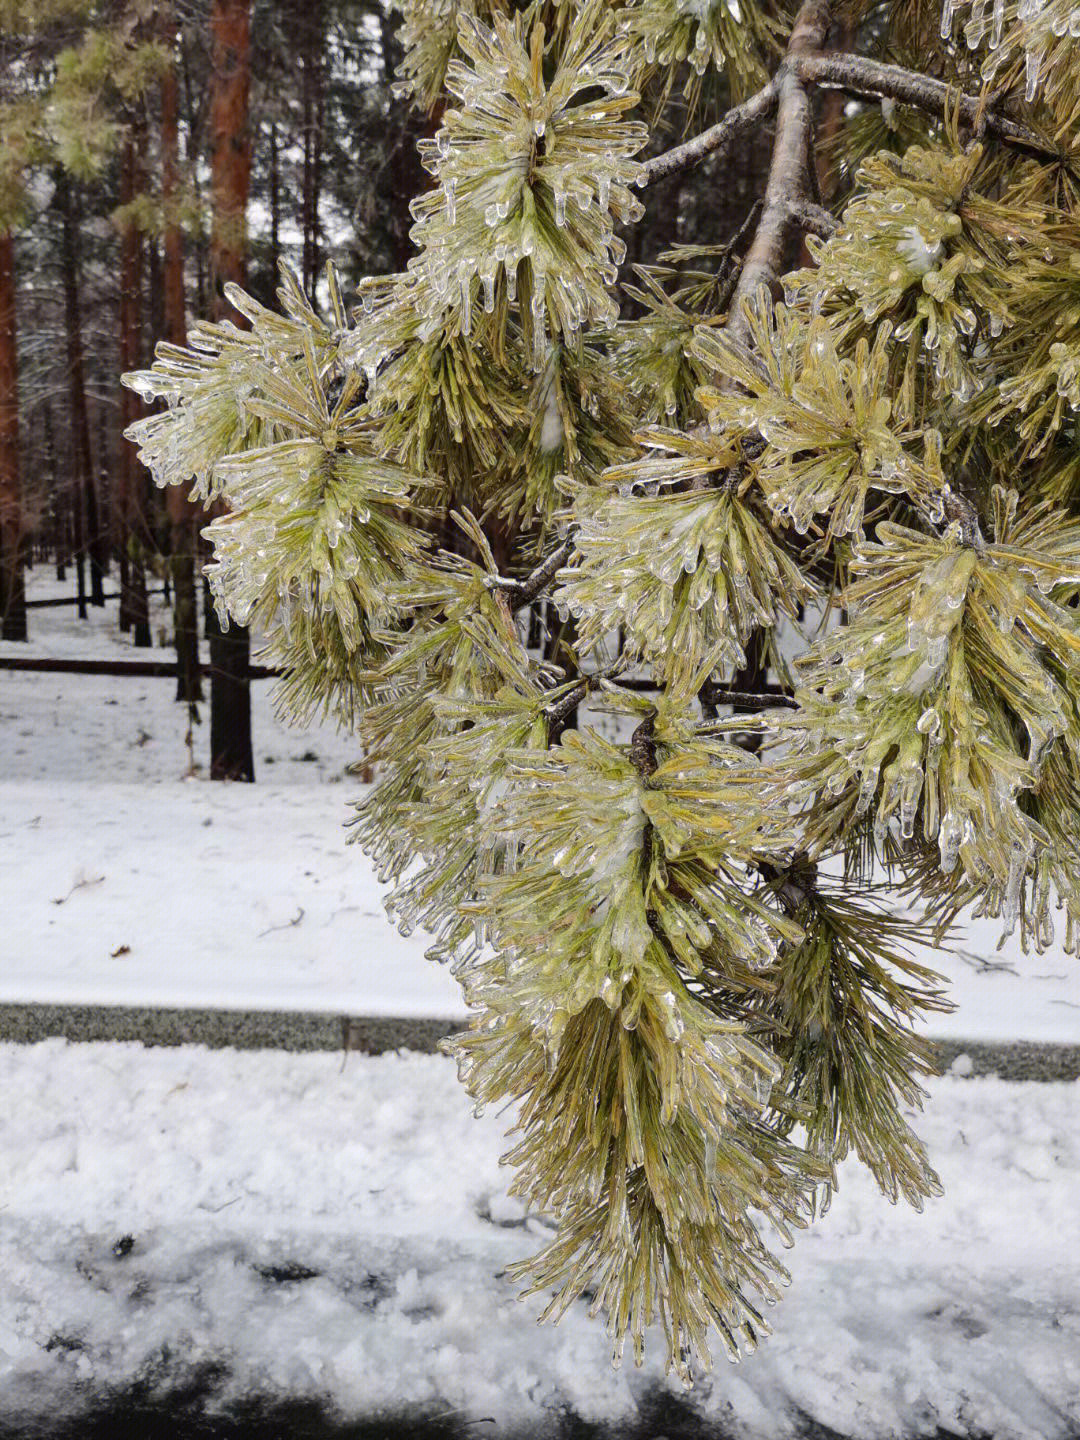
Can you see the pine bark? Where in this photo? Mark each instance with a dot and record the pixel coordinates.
(183, 513)
(231, 756)
(78, 414)
(12, 558)
(275, 199)
(312, 105)
(129, 359)
(139, 501)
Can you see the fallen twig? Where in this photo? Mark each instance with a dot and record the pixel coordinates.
(82, 884)
(289, 924)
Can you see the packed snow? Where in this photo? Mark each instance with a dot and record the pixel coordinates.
(137, 886)
(340, 1233)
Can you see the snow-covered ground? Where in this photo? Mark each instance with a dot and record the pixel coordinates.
(138, 887)
(340, 1234)
(298, 1228)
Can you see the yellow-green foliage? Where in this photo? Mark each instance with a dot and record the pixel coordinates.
(532, 174)
(954, 678)
(827, 417)
(489, 501)
(689, 574)
(734, 38)
(845, 1004)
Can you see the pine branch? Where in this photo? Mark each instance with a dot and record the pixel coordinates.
(749, 699)
(717, 137)
(812, 218)
(788, 188)
(871, 79)
(524, 592)
(568, 703)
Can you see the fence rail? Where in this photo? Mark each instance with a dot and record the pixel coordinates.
(158, 669)
(74, 600)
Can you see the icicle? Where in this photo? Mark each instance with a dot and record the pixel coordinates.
(910, 791)
(1032, 63)
(999, 21)
(552, 433)
(929, 722)
(949, 837)
(1018, 863)
(867, 790)
(465, 281)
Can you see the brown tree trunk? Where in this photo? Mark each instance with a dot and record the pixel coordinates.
(183, 514)
(58, 501)
(129, 359)
(139, 499)
(82, 460)
(12, 581)
(275, 200)
(312, 98)
(230, 144)
(231, 756)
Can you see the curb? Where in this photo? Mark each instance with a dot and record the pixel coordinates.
(373, 1035)
(218, 1029)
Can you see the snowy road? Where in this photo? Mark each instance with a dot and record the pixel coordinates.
(298, 1229)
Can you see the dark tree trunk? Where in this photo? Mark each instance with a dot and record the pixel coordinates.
(12, 579)
(275, 199)
(309, 43)
(134, 603)
(140, 598)
(61, 548)
(183, 515)
(78, 545)
(410, 177)
(82, 460)
(129, 359)
(231, 756)
(193, 118)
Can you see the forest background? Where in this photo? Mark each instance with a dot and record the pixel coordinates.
(149, 153)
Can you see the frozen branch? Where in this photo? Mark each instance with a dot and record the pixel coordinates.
(717, 137)
(813, 219)
(871, 79)
(788, 189)
(523, 592)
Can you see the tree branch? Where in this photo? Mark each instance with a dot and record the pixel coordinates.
(813, 219)
(559, 709)
(523, 592)
(871, 79)
(771, 697)
(717, 137)
(787, 190)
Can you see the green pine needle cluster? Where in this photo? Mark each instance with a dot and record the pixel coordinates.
(678, 619)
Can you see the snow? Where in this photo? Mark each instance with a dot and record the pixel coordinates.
(94, 807)
(306, 1228)
(224, 1166)
(137, 886)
